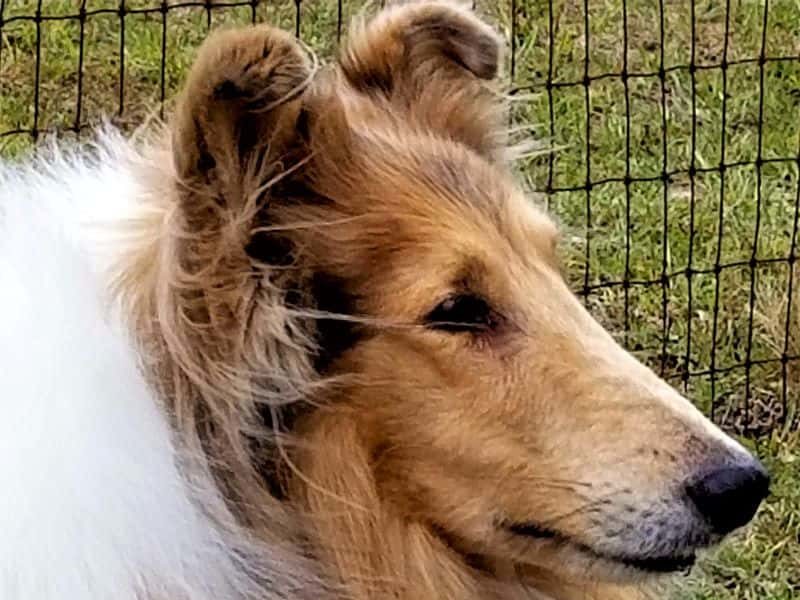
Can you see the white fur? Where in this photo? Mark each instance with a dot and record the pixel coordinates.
(93, 505)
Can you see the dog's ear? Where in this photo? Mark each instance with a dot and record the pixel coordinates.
(433, 61)
(236, 121)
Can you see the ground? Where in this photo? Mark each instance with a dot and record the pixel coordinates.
(706, 254)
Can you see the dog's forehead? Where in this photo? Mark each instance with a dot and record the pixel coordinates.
(431, 174)
(453, 216)
(416, 192)
(469, 195)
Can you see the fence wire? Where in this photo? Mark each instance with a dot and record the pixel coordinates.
(675, 129)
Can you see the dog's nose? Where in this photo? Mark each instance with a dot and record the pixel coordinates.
(729, 496)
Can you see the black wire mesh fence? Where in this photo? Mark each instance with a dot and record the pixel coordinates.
(675, 134)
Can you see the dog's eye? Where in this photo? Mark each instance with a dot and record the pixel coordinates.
(461, 313)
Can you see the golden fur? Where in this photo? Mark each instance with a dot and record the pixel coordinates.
(302, 223)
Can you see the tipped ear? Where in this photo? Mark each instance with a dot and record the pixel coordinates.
(431, 59)
(238, 111)
(403, 45)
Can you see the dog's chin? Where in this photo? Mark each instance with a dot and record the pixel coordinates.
(614, 567)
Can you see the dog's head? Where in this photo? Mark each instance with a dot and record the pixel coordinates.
(373, 199)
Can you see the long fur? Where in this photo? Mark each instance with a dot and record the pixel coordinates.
(102, 500)
(218, 377)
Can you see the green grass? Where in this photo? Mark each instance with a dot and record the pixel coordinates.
(638, 232)
(656, 249)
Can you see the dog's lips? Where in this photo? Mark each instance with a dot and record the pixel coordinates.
(661, 564)
(648, 564)
(532, 530)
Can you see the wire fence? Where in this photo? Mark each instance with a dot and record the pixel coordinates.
(676, 129)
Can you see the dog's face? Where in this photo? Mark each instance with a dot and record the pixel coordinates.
(495, 410)
(498, 410)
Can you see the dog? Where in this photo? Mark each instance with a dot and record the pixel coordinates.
(311, 340)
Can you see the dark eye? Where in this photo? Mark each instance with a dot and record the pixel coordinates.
(462, 313)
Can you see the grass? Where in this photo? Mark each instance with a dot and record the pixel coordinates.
(652, 230)
(665, 237)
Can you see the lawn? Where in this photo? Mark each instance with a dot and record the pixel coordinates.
(688, 263)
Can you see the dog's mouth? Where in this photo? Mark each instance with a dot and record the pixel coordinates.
(646, 564)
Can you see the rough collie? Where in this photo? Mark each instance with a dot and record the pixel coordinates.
(311, 341)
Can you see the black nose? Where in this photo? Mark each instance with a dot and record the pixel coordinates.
(729, 496)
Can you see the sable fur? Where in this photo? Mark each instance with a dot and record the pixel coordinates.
(285, 240)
